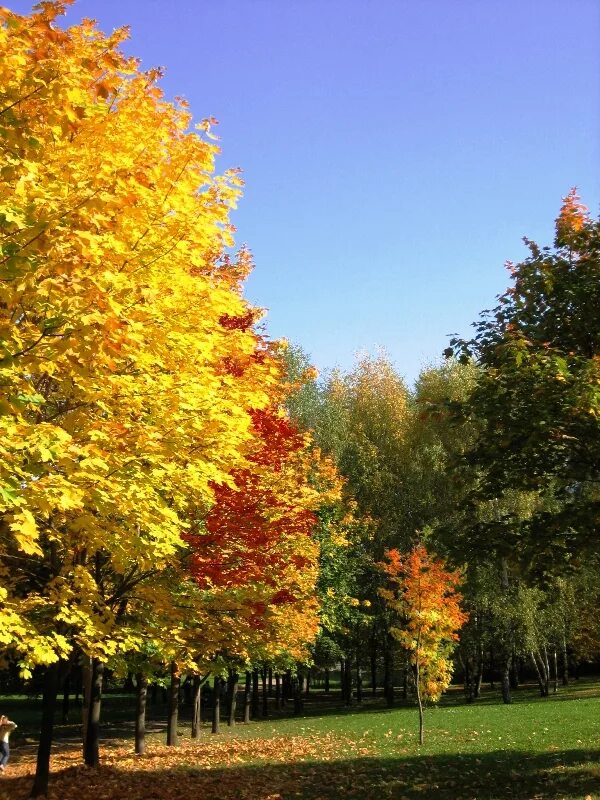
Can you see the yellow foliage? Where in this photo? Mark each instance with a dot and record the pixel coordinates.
(119, 407)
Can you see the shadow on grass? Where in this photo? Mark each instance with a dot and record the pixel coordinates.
(499, 775)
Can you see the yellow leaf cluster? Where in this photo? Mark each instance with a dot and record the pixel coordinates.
(124, 398)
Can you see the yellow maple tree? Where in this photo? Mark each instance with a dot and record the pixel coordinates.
(117, 406)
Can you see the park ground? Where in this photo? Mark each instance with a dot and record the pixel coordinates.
(535, 749)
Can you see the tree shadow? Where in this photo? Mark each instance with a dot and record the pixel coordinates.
(500, 775)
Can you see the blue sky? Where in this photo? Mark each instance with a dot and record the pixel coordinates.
(394, 152)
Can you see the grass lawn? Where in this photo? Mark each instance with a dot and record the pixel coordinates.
(535, 748)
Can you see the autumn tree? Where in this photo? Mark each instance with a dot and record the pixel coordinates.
(121, 408)
(424, 598)
(256, 554)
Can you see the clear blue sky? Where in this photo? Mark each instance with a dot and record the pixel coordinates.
(394, 152)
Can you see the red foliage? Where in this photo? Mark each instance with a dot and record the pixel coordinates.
(248, 524)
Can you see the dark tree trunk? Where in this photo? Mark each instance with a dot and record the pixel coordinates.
(92, 739)
(65, 700)
(388, 680)
(187, 691)
(326, 680)
(308, 681)
(255, 700)
(565, 663)
(248, 696)
(278, 704)
(78, 684)
(506, 670)
(173, 713)
(288, 687)
(270, 682)
(347, 694)
(86, 683)
(128, 686)
(196, 706)
(216, 717)
(232, 690)
(140, 714)
(479, 671)
(506, 695)
(298, 695)
(373, 667)
(467, 682)
(265, 697)
(359, 682)
(42, 770)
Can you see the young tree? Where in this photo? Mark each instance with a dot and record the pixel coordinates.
(426, 604)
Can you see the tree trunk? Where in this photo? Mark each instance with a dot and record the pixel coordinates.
(359, 681)
(514, 672)
(565, 663)
(196, 706)
(232, 690)
(538, 673)
(92, 739)
(248, 695)
(216, 717)
(492, 669)
(467, 683)
(287, 686)
(373, 667)
(555, 671)
(546, 662)
(326, 680)
(86, 691)
(270, 682)
(419, 700)
(348, 682)
(78, 684)
(506, 696)
(278, 691)
(140, 715)
(153, 694)
(479, 673)
(388, 681)
(255, 701)
(65, 700)
(265, 697)
(128, 686)
(173, 712)
(42, 770)
(298, 695)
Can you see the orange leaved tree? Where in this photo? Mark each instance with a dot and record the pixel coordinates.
(424, 599)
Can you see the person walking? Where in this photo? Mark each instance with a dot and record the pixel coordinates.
(6, 728)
